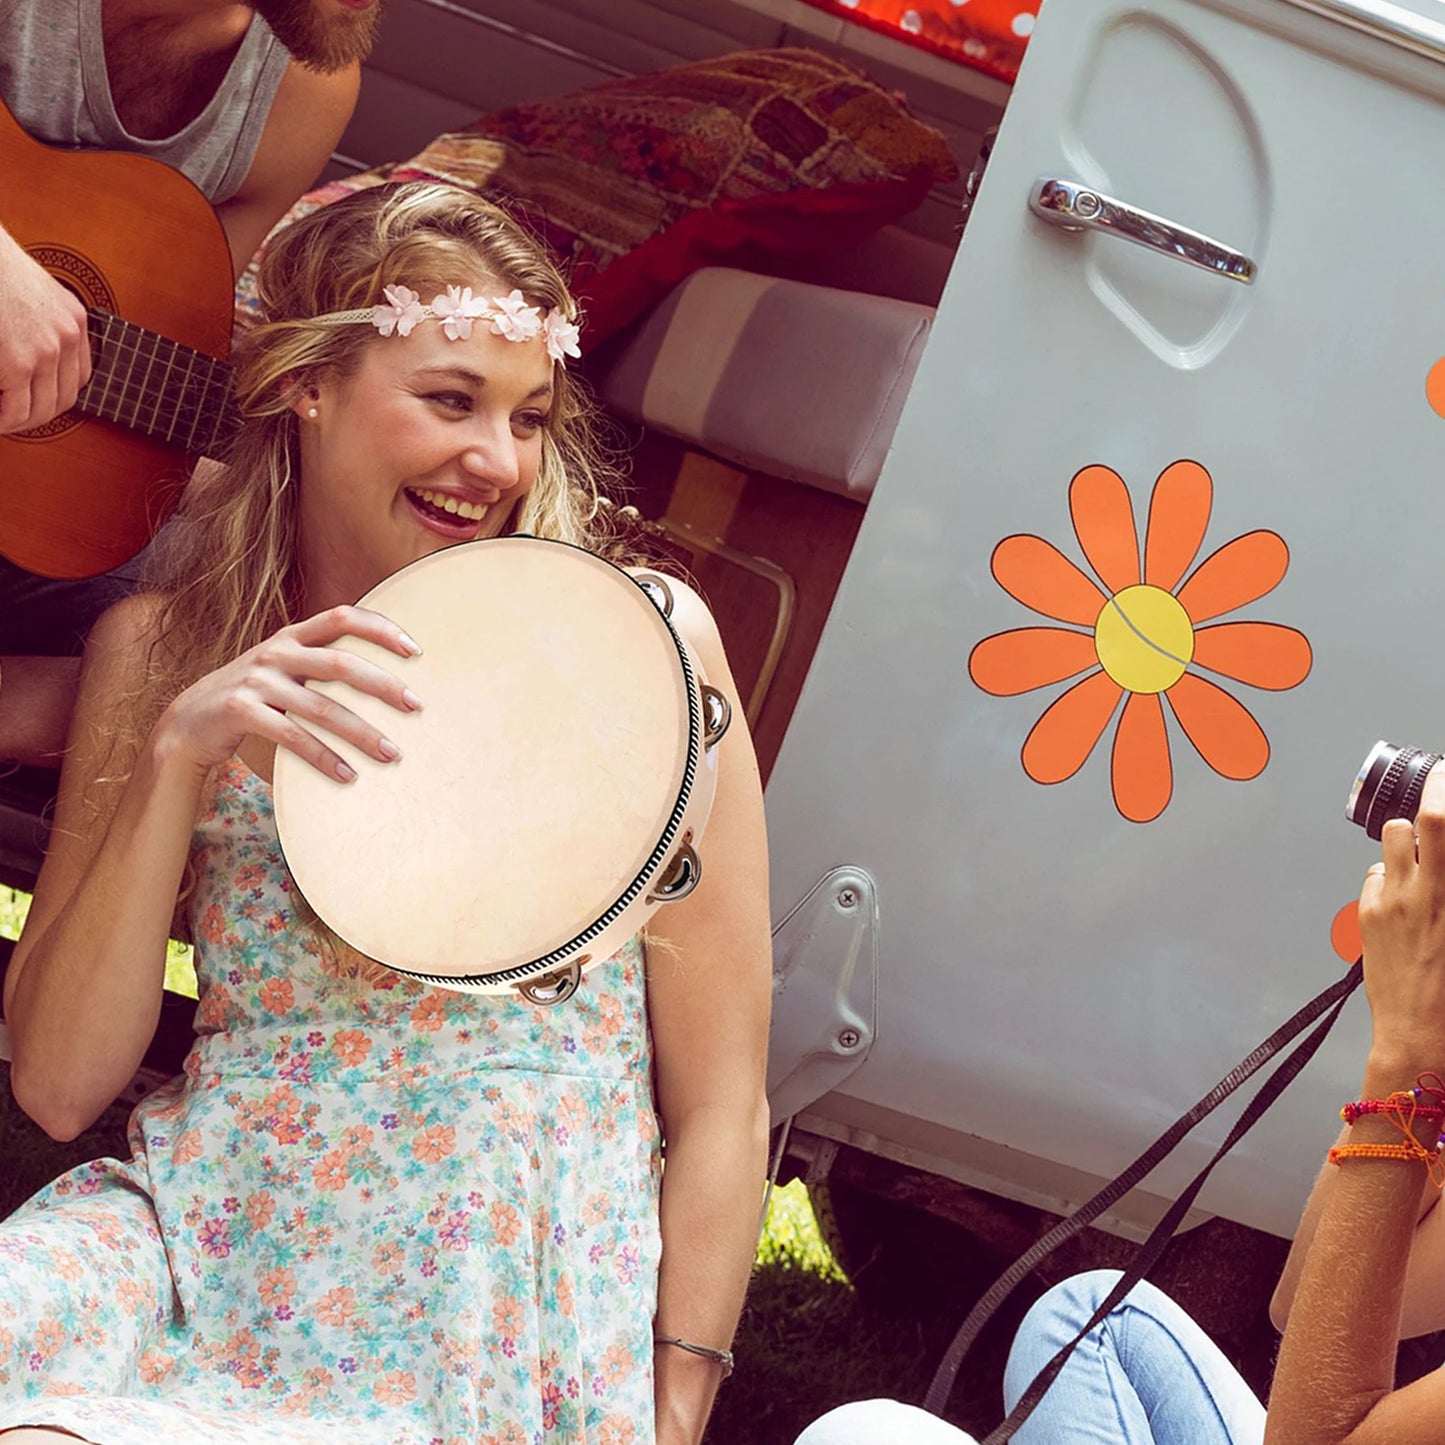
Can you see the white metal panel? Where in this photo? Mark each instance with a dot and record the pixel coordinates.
(1053, 976)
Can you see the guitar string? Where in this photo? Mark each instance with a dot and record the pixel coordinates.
(110, 374)
(186, 382)
(114, 351)
(138, 343)
(202, 402)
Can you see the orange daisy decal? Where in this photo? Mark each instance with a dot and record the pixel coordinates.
(1137, 634)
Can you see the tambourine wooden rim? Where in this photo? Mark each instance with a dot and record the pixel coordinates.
(670, 855)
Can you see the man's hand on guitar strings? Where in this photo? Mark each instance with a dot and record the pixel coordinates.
(44, 343)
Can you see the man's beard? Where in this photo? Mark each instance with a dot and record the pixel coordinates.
(322, 34)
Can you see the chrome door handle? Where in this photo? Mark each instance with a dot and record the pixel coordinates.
(1075, 207)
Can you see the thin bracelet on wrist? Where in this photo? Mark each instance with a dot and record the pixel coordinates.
(721, 1358)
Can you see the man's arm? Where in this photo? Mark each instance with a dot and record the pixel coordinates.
(307, 118)
(44, 348)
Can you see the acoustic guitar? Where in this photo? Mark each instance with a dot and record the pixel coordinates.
(145, 253)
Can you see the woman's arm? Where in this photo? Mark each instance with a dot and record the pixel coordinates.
(1423, 1308)
(1334, 1383)
(84, 987)
(709, 981)
(83, 991)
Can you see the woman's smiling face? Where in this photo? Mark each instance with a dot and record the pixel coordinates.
(428, 443)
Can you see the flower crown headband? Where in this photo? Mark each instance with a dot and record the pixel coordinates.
(509, 316)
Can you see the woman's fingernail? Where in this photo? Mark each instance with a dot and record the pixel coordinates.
(388, 750)
(411, 644)
(345, 772)
(411, 700)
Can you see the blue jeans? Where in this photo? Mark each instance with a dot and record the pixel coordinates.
(1147, 1375)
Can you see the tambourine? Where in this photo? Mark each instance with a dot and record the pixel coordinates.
(551, 790)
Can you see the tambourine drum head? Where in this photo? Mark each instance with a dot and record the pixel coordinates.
(534, 785)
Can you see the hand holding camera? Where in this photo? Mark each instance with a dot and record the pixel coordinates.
(1399, 797)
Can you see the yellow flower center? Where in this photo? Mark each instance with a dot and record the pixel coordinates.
(1144, 639)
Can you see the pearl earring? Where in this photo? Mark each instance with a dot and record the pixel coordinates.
(312, 413)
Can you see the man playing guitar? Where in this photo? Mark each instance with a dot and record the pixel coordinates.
(248, 100)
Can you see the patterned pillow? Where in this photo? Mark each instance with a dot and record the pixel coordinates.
(740, 160)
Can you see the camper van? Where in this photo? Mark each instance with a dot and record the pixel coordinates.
(1074, 530)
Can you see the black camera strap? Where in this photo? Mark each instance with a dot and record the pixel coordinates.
(1329, 1003)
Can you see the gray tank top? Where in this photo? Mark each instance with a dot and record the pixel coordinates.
(54, 81)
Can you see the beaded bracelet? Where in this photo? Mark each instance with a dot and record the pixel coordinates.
(721, 1358)
(1404, 1103)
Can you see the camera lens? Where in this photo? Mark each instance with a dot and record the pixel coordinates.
(1388, 785)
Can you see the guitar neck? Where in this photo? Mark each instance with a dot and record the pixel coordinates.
(144, 381)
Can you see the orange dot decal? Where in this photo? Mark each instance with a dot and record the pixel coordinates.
(1435, 387)
(1345, 932)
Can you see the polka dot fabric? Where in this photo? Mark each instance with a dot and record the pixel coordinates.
(988, 35)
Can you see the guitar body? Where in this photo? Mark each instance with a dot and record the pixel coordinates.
(133, 237)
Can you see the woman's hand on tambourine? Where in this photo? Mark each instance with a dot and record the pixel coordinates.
(207, 723)
(1402, 921)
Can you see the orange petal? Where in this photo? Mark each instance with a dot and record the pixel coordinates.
(1178, 517)
(1345, 932)
(1143, 779)
(1221, 728)
(1435, 386)
(1240, 571)
(1029, 657)
(1263, 654)
(1104, 524)
(1041, 577)
(1065, 735)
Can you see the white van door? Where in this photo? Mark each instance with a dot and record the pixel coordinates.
(1155, 559)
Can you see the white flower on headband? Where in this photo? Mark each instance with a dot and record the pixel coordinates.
(403, 313)
(507, 316)
(456, 311)
(561, 336)
(513, 318)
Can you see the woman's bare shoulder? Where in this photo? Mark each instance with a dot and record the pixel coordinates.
(128, 624)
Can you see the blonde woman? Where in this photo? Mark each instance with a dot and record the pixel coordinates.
(348, 1221)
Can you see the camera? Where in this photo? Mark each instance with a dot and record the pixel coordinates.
(1388, 785)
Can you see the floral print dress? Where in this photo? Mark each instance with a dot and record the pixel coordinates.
(370, 1211)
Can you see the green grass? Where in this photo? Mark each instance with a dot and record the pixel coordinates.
(14, 905)
(791, 1239)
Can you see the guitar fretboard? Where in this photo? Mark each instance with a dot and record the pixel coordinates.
(158, 387)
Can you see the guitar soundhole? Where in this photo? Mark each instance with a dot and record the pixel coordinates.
(79, 276)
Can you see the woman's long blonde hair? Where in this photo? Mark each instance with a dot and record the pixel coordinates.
(229, 572)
